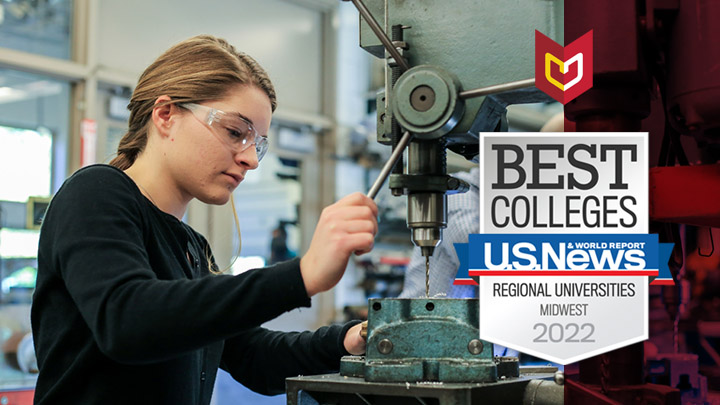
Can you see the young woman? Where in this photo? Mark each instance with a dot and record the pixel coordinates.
(129, 307)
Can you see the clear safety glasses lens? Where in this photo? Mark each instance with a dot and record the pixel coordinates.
(240, 134)
(233, 130)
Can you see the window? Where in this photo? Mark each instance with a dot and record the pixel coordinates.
(26, 151)
(37, 26)
(37, 104)
(34, 121)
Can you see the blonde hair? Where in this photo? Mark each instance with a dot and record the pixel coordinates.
(198, 69)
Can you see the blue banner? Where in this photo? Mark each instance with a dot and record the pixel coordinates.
(564, 254)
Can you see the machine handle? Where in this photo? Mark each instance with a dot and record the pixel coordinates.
(497, 88)
(387, 168)
(381, 34)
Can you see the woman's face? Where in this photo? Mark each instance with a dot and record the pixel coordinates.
(202, 165)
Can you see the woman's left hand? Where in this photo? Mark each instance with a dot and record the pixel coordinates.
(354, 343)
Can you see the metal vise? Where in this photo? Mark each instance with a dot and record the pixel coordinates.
(425, 340)
(427, 351)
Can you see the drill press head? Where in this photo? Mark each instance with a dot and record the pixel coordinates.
(425, 102)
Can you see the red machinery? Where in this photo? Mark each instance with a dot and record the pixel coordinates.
(656, 69)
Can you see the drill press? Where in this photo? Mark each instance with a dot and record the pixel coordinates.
(425, 107)
(428, 350)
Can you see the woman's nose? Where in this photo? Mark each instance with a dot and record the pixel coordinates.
(247, 158)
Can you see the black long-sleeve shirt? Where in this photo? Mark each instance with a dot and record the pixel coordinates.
(126, 310)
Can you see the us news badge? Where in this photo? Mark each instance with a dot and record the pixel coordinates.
(563, 259)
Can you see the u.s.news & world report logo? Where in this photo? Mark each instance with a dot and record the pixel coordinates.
(563, 73)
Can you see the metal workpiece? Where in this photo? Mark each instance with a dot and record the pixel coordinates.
(425, 100)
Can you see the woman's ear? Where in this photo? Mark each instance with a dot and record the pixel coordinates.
(162, 114)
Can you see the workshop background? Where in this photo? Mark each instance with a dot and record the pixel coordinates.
(67, 69)
(656, 70)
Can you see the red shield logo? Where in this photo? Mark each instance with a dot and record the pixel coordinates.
(563, 72)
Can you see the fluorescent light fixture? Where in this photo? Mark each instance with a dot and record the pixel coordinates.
(245, 263)
(28, 155)
(19, 243)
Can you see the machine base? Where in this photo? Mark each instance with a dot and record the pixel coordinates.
(534, 386)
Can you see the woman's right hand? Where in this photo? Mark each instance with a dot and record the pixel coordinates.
(345, 227)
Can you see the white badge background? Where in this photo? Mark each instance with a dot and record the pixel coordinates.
(635, 174)
(618, 322)
(510, 321)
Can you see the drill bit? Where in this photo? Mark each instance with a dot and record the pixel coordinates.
(427, 276)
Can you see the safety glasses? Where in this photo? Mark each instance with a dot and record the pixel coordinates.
(231, 129)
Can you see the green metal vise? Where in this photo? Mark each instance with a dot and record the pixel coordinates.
(410, 340)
